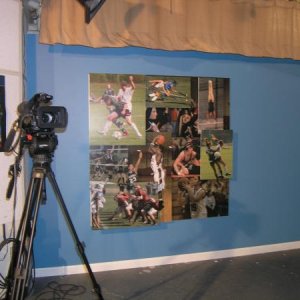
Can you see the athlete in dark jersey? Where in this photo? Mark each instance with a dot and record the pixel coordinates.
(109, 91)
(132, 173)
(131, 179)
(116, 110)
(187, 162)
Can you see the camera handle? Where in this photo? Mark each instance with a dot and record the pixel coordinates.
(19, 269)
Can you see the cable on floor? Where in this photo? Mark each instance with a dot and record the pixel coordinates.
(61, 291)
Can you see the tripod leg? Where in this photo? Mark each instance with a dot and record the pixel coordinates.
(17, 246)
(80, 247)
(26, 235)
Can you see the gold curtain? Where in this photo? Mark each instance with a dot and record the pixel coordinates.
(264, 28)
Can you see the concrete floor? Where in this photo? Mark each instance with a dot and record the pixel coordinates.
(266, 276)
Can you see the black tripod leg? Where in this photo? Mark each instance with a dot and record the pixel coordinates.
(26, 235)
(80, 247)
(17, 245)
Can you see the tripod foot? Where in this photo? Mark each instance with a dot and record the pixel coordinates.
(97, 290)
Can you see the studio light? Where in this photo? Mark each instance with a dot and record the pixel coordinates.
(91, 8)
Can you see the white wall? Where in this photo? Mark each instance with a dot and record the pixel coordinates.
(11, 67)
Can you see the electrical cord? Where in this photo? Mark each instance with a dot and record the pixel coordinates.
(10, 240)
(4, 284)
(58, 291)
(4, 245)
(5, 281)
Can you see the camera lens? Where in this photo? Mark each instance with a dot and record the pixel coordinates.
(48, 118)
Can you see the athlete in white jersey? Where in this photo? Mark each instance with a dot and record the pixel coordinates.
(156, 165)
(97, 202)
(217, 153)
(126, 92)
(125, 97)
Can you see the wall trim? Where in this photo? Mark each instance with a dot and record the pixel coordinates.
(166, 260)
(10, 72)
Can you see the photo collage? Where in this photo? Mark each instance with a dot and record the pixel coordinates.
(160, 149)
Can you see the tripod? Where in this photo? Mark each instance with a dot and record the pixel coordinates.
(20, 266)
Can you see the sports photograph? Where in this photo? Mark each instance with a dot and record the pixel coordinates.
(116, 109)
(193, 198)
(186, 157)
(213, 103)
(115, 208)
(128, 184)
(216, 154)
(169, 91)
(108, 163)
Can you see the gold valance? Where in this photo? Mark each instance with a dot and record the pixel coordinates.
(264, 28)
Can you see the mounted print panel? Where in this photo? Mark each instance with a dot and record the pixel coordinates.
(117, 109)
(146, 149)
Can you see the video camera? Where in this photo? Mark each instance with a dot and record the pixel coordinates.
(37, 122)
(36, 126)
(36, 117)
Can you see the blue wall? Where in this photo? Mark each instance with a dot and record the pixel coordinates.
(265, 114)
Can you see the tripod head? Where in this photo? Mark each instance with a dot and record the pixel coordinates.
(35, 126)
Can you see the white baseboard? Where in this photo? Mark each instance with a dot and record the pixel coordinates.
(166, 260)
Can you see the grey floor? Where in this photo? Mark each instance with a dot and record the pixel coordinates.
(267, 276)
